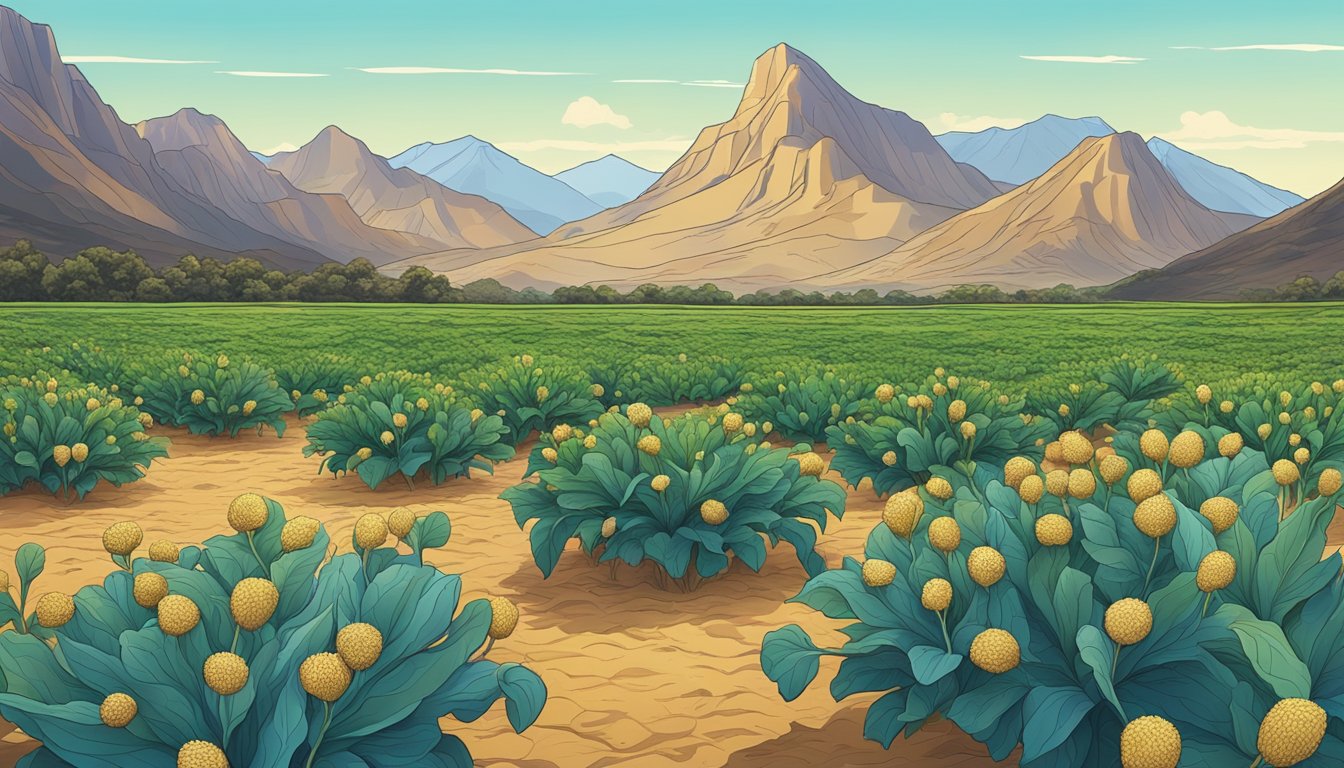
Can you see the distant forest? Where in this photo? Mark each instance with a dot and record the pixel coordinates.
(103, 274)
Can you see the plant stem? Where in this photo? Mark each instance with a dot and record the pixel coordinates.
(942, 619)
(1258, 760)
(1115, 661)
(233, 647)
(326, 723)
(1157, 545)
(251, 542)
(1205, 610)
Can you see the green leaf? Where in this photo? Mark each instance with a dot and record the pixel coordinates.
(29, 562)
(1269, 653)
(790, 659)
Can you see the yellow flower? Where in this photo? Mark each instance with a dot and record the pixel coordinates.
(399, 420)
(61, 455)
(639, 414)
(733, 422)
(550, 454)
(1155, 516)
(1220, 511)
(117, 710)
(1112, 468)
(986, 566)
(1330, 481)
(877, 573)
(1302, 455)
(902, 513)
(503, 617)
(1153, 443)
(178, 615)
(561, 432)
(1143, 484)
(148, 589)
(122, 538)
(324, 676)
(197, 397)
(247, 512)
(1230, 445)
(1057, 483)
(1053, 530)
(1291, 732)
(995, 651)
(967, 430)
(400, 521)
(936, 595)
(359, 645)
(1187, 449)
(1285, 472)
(1017, 469)
(55, 609)
(956, 411)
(1150, 742)
(939, 488)
(713, 512)
(387, 437)
(1216, 571)
(1203, 394)
(1075, 448)
(79, 452)
(885, 393)
(225, 673)
(298, 533)
(659, 483)
(1128, 621)
(1082, 483)
(1031, 489)
(811, 465)
(608, 527)
(650, 444)
(370, 531)
(201, 754)
(944, 534)
(253, 602)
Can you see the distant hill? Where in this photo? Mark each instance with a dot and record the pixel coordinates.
(609, 181)
(476, 167)
(1305, 240)
(1107, 210)
(1018, 155)
(1220, 188)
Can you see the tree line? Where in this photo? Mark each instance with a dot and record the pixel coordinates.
(104, 274)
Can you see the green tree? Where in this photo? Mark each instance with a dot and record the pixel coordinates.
(96, 274)
(21, 268)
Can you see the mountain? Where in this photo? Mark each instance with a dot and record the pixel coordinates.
(475, 167)
(1305, 240)
(74, 175)
(1220, 188)
(1104, 212)
(804, 178)
(608, 181)
(263, 159)
(202, 154)
(395, 199)
(1018, 155)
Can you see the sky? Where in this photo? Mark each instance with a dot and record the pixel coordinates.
(1252, 85)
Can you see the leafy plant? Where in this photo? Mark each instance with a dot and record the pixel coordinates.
(1143, 629)
(311, 383)
(215, 396)
(687, 495)
(255, 649)
(1140, 379)
(802, 406)
(69, 439)
(907, 431)
(1077, 406)
(528, 397)
(395, 425)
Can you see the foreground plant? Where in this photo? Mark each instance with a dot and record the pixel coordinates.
(1092, 618)
(400, 424)
(214, 396)
(687, 494)
(70, 438)
(259, 651)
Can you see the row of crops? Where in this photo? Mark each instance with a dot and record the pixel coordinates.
(1126, 569)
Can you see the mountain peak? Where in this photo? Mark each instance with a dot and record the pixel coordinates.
(775, 67)
(186, 127)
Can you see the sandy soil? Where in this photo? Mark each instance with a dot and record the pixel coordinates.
(637, 676)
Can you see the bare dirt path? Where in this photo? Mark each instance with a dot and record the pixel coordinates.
(637, 676)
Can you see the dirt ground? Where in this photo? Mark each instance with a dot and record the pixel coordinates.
(637, 676)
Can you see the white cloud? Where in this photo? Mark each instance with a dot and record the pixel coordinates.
(1215, 130)
(1087, 59)
(695, 83)
(126, 60)
(586, 112)
(278, 148)
(248, 73)
(1298, 47)
(951, 121)
(672, 144)
(455, 71)
(715, 84)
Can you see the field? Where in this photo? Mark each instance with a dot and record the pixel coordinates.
(1018, 344)
(694, 656)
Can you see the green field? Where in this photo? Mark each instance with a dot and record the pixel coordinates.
(1018, 344)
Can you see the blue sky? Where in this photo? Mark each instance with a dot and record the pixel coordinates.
(1271, 112)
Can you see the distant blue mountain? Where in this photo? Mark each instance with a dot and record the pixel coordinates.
(475, 167)
(1018, 155)
(1218, 187)
(609, 181)
(265, 159)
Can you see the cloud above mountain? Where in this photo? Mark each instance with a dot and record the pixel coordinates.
(951, 121)
(587, 112)
(1215, 130)
(127, 60)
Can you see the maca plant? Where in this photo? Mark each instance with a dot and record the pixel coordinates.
(660, 381)
(70, 438)
(802, 407)
(315, 383)
(214, 396)
(1090, 617)
(400, 424)
(531, 397)
(945, 421)
(258, 649)
(687, 494)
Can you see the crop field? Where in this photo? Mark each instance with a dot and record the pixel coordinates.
(330, 535)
